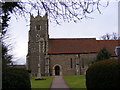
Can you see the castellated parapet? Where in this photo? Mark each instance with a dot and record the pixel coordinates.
(38, 17)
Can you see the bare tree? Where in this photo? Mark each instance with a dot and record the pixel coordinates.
(67, 10)
(113, 36)
(57, 10)
(106, 37)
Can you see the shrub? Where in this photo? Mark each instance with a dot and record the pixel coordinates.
(103, 74)
(103, 54)
(16, 78)
(29, 70)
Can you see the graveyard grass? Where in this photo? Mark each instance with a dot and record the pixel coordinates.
(75, 81)
(41, 83)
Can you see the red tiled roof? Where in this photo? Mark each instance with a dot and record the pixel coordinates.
(80, 45)
(109, 44)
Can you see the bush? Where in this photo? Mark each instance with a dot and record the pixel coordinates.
(16, 78)
(103, 74)
(29, 70)
(103, 54)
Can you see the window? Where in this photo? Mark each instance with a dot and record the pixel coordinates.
(38, 27)
(44, 46)
(82, 63)
(71, 63)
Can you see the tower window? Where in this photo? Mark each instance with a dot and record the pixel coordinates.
(38, 27)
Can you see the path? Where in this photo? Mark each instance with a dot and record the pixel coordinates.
(58, 82)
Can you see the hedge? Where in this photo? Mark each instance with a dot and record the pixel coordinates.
(16, 78)
(103, 74)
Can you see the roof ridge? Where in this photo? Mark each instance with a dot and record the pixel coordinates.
(107, 40)
(71, 38)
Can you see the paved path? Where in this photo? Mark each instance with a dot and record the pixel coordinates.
(59, 83)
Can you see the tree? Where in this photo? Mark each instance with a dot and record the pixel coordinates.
(108, 36)
(57, 10)
(7, 9)
(103, 54)
(9, 73)
(115, 36)
(6, 58)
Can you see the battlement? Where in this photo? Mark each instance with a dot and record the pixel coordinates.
(38, 17)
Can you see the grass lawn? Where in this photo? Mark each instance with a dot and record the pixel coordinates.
(77, 81)
(41, 83)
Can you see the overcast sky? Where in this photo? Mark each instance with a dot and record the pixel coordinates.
(107, 22)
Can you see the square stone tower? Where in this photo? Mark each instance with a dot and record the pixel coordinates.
(38, 45)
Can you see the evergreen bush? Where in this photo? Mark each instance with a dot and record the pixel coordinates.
(14, 78)
(103, 54)
(103, 74)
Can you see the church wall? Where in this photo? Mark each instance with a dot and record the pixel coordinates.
(64, 62)
(33, 65)
(86, 60)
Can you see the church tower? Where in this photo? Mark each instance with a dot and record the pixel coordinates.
(38, 45)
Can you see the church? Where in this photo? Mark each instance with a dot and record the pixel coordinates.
(61, 56)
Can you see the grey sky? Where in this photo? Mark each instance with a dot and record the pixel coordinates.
(107, 22)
